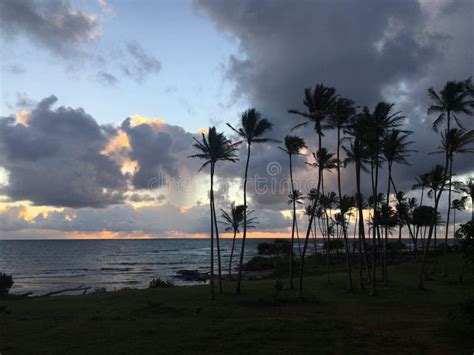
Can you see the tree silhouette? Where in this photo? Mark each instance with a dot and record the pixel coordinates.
(342, 112)
(234, 220)
(318, 103)
(395, 150)
(213, 148)
(252, 129)
(293, 146)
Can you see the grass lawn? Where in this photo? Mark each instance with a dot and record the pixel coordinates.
(400, 319)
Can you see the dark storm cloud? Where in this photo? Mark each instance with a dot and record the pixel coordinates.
(53, 24)
(161, 151)
(140, 64)
(56, 159)
(378, 50)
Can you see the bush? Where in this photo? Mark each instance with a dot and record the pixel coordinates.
(334, 244)
(159, 283)
(279, 247)
(259, 263)
(396, 246)
(6, 282)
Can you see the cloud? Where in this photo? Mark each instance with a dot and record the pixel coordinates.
(52, 24)
(55, 159)
(381, 50)
(107, 78)
(140, 64)
(14, 69)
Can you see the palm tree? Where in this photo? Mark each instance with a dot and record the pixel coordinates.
(234, 220)
(293, 146)
(325, 161)
(213, 148)
(252, 131)
(342, 113)
(437, 178)
(328, 201)
(346, 203)
(467, 187)
(395, 150)
(318, 103)
(379, 121)
(457, 205)
(453, 141)
(455, 98)
(357, 152)
(421, 181)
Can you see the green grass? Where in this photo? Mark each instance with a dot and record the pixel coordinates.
(400, 319)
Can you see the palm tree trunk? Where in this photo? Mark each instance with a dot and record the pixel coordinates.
(327, 232)
(362, 243)
(219, 265)
(211, 202)
(294, 223)
(450, 162)
(244, 236)
(433, 222)
(308, 230)
(344, 230)
(385, 277)
(232, 254)
(413, 237)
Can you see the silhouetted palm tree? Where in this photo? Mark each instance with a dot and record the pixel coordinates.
(379, 122)
(467, 187)
(252, 129)
(318, 103)
(458, 204)
(341, 115)
(453, 141)
(213, 148)
(437, 178)
(293, 146)
(357, 152)
(395, 150)
(455, 98)
(234, 220)
(421, 182)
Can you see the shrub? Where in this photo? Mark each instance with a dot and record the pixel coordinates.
(396, 246)
(334, 244)
(6, 282)
(279, 247)
(159, 283)
(259, 263)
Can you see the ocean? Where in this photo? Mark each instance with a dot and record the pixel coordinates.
(41, 266)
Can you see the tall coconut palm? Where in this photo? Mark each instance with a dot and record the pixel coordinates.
(293, 146)
(233, 220)
(358, 153)
(328, 201)
(395, 146)
(325, 161)
(296, 198)
(453, 141)
(455, 98)
(458, 204)
(318, 103)
(346, 203)
(437, 178)
(379, 121)
(252, 129)
(421, 182)
(467, 187)
(343, 110)
(213, 148)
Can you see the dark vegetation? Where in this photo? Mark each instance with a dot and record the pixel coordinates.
(401, 319)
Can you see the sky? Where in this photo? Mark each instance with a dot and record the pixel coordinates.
(101, 100)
